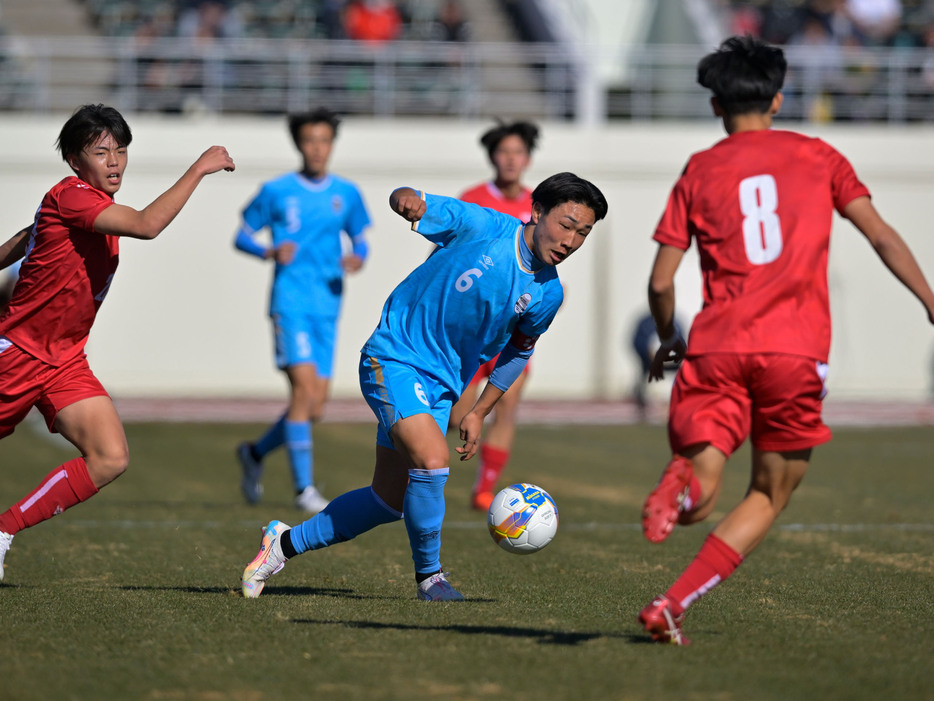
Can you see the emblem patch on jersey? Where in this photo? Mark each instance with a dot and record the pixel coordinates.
(523, 302)
(336, 204)
(487, 261)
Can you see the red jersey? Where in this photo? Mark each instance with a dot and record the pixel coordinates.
(488, 195)
(65, 275)
(759, 205)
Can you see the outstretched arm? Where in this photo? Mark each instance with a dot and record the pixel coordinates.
(662, 306)
(892, 249)
(120, 220)
(14, 248)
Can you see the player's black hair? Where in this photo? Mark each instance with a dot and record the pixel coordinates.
(744, 74)
(85, 126)
(567, 187)
(322, 115)
(526, 131)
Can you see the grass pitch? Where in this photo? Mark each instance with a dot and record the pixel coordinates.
(135, 594)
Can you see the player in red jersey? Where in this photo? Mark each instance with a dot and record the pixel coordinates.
(509, 147)
(758, 205)
(71, 254)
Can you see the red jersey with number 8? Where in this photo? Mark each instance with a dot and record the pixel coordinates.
(759, 205)
(65, 275)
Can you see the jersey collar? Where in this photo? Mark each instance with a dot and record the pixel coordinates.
(524, 256)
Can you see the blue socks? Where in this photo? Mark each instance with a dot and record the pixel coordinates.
(296, 436)
(272, 439)
(424, 512)
(298, 445)
(343, 519)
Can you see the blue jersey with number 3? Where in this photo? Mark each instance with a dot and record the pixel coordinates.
(312, 215)
(460, 307)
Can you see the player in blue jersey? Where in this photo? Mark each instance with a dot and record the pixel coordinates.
(491, 287)
(307, 213)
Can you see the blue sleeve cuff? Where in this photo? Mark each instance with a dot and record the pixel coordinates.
(360, 247)
(246, 243)
(509, 366)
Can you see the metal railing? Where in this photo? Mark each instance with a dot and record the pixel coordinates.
(472, 80)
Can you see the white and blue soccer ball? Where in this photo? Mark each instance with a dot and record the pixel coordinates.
(522, 519)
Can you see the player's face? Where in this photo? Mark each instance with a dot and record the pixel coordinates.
(510, 158)
(556, 235)
(315, 142)
(101, 164)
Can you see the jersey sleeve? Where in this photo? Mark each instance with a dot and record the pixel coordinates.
(447, 218)
(80, 205)
(845, 186)
(358, 216)
(539, 316)
(258, 213)
(672, 228)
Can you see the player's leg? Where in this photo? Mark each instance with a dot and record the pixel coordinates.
(309, 392)
(93, 426)
(709, 417)
(497, 445)
(420, 439)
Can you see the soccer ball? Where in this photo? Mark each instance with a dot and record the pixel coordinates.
(522, 518)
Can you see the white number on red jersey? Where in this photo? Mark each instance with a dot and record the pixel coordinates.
(762, 230)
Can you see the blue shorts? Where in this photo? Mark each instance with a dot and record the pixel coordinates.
(305, 339)
(395, 391)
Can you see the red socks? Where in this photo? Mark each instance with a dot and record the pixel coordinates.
(62, 488)
(492, 462)
(715, 562)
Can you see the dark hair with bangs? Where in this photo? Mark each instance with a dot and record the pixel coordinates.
(744, 74)
(322, 115)
(526, 131)
(85, 126)
(567, 187)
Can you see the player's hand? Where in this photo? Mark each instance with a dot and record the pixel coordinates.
(408, 204)
(284, 253)
(351, 263)
(214, 159)
(470, 428)
(670, 352)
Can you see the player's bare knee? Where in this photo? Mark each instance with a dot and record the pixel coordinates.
(104, 467)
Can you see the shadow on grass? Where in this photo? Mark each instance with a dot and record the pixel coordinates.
(277, 591)
(543, 637)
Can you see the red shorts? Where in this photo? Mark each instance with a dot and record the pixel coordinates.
(26, 382)
(485, 370)
(723, 398)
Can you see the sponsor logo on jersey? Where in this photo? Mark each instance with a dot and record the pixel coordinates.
(523, 303)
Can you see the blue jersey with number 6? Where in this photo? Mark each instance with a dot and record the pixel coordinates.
(459, 308)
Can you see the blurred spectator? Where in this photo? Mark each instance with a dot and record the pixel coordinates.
(450, 24)
(208, 19)
(372, 20)
(875, 21)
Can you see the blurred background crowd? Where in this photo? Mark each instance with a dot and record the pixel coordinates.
(591, 60)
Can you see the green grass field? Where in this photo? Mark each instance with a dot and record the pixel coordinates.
(135, 594)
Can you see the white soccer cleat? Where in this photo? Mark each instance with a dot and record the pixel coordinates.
(6, 540)
(310, 500)
(267, 562)
(438, 588)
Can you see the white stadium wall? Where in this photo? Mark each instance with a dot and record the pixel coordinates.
(186, 313)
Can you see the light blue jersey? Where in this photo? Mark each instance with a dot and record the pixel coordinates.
(460, 307)
(312, 215)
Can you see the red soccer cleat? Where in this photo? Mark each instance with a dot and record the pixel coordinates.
(481, 501)
(663, 505)
(660, 621)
